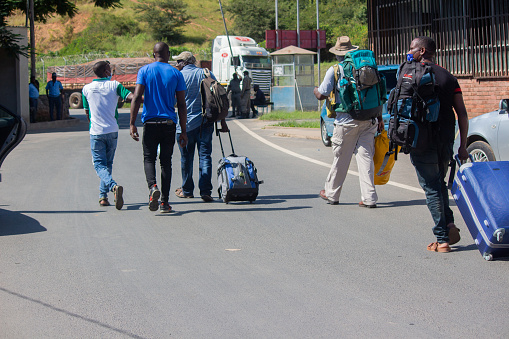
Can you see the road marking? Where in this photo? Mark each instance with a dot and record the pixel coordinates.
(314, 161)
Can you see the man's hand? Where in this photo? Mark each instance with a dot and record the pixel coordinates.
(134, 133)
(462, 153)
(183, 139)
(381, 126)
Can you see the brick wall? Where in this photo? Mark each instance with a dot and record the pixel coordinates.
(483, 96)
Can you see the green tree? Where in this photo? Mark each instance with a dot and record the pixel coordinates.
(166, 18)
(251, 18)
(337, 17)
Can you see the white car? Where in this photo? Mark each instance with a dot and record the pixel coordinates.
(488, 135)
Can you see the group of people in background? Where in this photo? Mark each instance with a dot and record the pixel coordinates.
(241, 102)
(54, 92)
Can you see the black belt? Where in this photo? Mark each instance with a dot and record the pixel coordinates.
(159, 122)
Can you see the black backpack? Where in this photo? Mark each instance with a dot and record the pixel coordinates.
(214, 99)
(414, 107)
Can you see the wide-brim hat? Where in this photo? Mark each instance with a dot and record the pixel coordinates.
(343, 46)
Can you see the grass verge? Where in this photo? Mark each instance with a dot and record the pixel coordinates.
(302, 124)
(295, 115)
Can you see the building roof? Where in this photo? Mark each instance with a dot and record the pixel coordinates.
(291, 50)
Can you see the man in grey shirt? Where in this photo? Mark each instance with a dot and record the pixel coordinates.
(350, 136)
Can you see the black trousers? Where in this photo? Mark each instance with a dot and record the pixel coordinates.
(162, 135)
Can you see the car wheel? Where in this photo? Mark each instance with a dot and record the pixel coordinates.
(325, 137)
(75, 100)
(481, 151)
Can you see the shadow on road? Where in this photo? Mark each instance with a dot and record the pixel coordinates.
(17, 223)
(93, 321)
(404, 203)
(236, 210)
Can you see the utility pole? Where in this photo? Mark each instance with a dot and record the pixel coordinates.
(32, 40)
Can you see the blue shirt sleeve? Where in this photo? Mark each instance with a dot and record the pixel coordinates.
(60, 86)
(140, 79)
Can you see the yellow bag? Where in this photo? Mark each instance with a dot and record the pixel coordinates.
(330, 102)
(383, 164)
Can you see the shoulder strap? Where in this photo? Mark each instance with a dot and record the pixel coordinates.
(206, 72)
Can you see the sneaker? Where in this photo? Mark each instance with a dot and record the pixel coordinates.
(164, 207)
(207, 198)
(153, 203)
(119, 200)
(104, 202)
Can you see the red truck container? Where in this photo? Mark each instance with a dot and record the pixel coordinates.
(74, 77)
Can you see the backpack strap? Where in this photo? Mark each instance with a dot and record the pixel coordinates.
(206, 72)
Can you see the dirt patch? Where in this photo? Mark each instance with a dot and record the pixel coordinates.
(52, 36)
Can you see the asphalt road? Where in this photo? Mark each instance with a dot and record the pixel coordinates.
(287, 266)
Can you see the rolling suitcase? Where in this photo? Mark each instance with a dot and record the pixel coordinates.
(481, 192)
(237, 176)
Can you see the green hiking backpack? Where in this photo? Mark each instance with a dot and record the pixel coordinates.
(362, 89)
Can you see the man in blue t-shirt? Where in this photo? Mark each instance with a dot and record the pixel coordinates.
(199, 132)
(54, 92)
(161, 84)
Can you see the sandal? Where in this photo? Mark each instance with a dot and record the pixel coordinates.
(454, 234)
(104, 202)
(179, 193)
(437, 247)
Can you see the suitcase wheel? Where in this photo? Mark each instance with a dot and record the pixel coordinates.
(488, 257)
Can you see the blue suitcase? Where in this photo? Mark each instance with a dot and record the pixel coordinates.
(481, 192)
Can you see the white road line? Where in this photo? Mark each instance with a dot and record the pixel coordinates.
(314, 161)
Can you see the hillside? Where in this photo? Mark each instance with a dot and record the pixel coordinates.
(59, 32)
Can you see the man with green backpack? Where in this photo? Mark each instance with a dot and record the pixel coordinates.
(355, 94)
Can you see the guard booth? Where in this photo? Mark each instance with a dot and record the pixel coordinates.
(293, 79)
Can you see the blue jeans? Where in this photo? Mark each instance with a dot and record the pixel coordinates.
(57, 102)
(431, 167)
(204, 145)
(103, 151)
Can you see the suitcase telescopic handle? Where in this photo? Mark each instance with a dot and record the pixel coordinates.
(218, 133)
(452, 164)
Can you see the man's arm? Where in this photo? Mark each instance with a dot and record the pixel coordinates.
(135, 107)
(86, 106)
(47, 92)
(326, 86)
(461, 112)
(182, 113)
(319, 95)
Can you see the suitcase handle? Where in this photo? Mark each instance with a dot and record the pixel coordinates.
(458, 161)
(452, 164)
(218, 133)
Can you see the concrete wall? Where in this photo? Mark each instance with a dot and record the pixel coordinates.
(14, 79)
(483, 96)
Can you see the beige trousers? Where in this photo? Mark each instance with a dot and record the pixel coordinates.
(356, 137)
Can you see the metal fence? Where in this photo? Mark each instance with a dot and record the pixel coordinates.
(472, 36)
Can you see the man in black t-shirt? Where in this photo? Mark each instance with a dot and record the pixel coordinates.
(431, 163)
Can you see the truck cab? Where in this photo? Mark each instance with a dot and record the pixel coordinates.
(247, 56)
